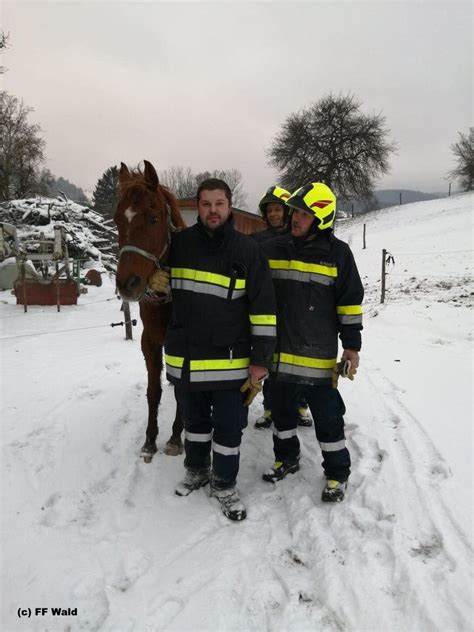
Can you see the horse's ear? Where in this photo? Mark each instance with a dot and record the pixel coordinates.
(124, 172)
(151, 177)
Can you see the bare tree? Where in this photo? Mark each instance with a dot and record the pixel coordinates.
(233, 178)
(334, 142)
(180, 180)
(21, 149)
(184, 183)
(463, 152)
(4, 37)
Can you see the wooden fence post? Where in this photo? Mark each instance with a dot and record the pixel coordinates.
(449, 192)
(400, 198)
(58, 288)
(363, 238)
(128, 322)
(384, 256)
(23, 282)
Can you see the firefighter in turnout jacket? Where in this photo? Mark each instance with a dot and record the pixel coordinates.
(220, 342)
(319, 295)
(275, 212)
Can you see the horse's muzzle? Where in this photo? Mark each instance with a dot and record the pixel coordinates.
(132, 289)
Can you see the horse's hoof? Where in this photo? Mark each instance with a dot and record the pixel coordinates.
(172, 449)
(147, 451)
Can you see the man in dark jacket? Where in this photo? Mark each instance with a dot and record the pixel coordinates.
(274, 210)
(319, 295)
(220, 341)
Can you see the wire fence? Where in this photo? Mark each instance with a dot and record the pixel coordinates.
(451, 277)
(105, 300)
(62, 331)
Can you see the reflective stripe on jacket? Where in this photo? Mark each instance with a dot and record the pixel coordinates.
(223, 309)
(319, 295)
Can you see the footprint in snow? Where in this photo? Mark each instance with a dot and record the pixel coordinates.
(395, 420)
(86, 392)
(89, 593)
(440, 471)
(131, 568)
(49, 515)
(293, 558)
(428, 550)
(112, 365)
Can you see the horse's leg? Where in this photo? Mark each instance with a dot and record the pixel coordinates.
(154, 364)
(174, 445)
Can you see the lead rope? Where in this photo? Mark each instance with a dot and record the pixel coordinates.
(171, 228)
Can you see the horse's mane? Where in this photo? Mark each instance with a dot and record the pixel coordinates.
(176, 216)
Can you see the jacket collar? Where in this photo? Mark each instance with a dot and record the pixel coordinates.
(218, 236)
(320, 243)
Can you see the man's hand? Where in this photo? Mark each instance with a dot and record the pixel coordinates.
(347, 367)
(353, 356)
(258, 372)
(254, 383)
(160, 281)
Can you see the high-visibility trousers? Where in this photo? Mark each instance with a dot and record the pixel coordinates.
(328, 409)
(213, 422)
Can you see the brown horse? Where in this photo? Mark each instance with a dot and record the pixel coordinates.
(146, 216)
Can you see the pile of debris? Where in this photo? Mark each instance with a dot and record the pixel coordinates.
(88, 234)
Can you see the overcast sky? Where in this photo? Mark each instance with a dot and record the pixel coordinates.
(208, 85)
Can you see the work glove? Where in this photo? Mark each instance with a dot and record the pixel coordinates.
(160, 282)
(342, 369)
(253, 386)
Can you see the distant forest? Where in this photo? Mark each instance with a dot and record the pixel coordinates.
(384, 198)
(53, 187)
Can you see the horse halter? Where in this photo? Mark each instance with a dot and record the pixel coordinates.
(148, 255)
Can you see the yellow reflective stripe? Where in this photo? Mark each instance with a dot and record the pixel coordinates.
(279, 264)
(200, 275)
(301, 266)
(174, 360)
(349, 309)
(313, 267)
(314, 363)
(206, 277)
(275, 357)
(263, 319)
(217, 365)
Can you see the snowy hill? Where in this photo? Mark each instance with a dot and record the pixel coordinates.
(87, 525)
(389, 197)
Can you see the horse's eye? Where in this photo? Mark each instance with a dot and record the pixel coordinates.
(152, 219)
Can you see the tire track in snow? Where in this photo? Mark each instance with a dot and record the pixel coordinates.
(429, 551)
(393, 533)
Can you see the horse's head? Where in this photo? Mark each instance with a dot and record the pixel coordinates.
(145, 216)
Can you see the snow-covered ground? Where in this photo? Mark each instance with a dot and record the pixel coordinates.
(87, 525)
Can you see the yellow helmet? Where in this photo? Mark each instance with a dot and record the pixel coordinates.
(274, 194)
(316, 198)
